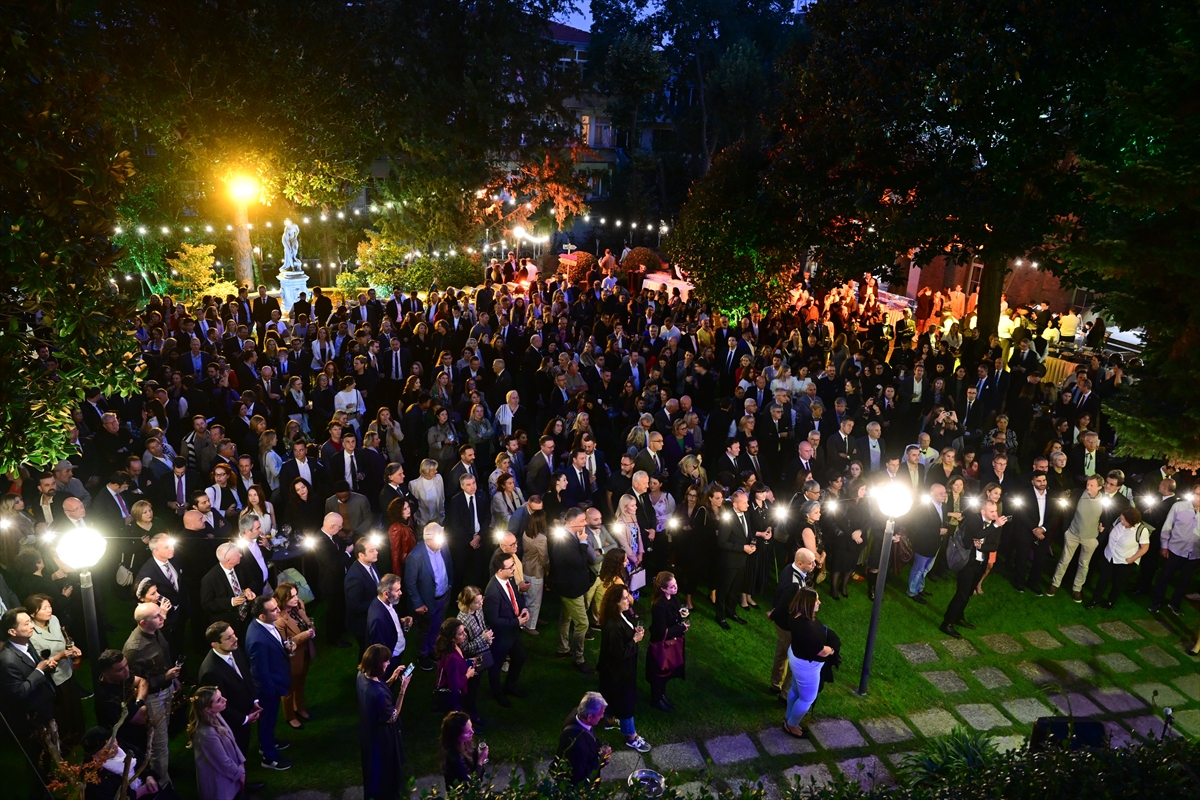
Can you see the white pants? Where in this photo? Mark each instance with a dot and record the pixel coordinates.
(158, 717)
(533, 600)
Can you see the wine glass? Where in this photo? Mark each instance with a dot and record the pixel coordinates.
(483, 748)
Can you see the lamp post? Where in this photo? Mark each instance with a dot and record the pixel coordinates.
(894, 500)
(82, 549)
(242, 189)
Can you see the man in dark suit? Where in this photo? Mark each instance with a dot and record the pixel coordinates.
(196, 361)
(109, 508)
(792, 579)
(26, 686)
(841, 449)
(167, 575)
(273, 675)
(322, 307)
(301, 466)
(540, 468)
(729, 461)
(332, 561)
(927, 527)
(577, 743)
(465, 466)
(263, 305)
(384, 624)
(223, 597)
(579, 481)
(505, 613)
(361, 586)
(735, 541)
(751, 461)
(468, 527)
(980, 532)
(1087, 459)
(429, 574)
(650, 459)
(1034, 520)
(228, 668)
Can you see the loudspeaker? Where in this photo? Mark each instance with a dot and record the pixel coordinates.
(1053, 731)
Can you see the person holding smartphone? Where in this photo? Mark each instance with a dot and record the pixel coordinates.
(619, 640)
(380, 743)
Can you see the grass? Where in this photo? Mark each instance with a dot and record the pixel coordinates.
(728, 673)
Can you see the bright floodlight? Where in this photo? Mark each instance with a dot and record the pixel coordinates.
(243, 189)
(519, 232)
(81, 548)
(894, 500)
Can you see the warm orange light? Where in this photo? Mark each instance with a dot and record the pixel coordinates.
(243, 189)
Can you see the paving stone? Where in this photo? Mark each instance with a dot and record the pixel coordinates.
(1166, 695)
(770, 790)
(1077, 669)
(1079, 705)
(731, 749)
(1189, 685)
(1119, 631)
(945, 680)
(959, 648)
(1117, 735)
(898, 759)
(306, 794)
(1035, 672)
(1007, 743)
(1118, 662)
(507, 775)
(991, 677)
(1026, 709)
(1152, 627)
(623, 762)
(352, 793)
(835, 734)
(886, 730)
(807, 777)
(1041, 640)
(431, 785)
(1081, 634)
(1189, 721)
(919, 653)
(1149, 727)
(933, 722)
(869, 771)
(778, 743)
(689, 789)
(1002, 643)
(1155, 656)
(679, 756)
(982, 716)
(1117, 700)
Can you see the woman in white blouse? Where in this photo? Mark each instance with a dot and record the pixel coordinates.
(626, 530)
(430, 493)
(322, 349)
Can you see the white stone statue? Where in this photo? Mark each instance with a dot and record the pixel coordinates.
(291, 247)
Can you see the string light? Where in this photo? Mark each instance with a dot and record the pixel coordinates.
(118, 230)
(186, 229)
(141, 231)
(208, 228)
(165, 229)
(341, 215)
(228, 227)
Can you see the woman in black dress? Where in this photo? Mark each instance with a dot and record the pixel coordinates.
(705, 522)
(758, 564)
(854, 515)
(380, 743)
(463, 759)
(619, 639)
(683, 539)
(665, 657)
(811, 535)
(305, 511)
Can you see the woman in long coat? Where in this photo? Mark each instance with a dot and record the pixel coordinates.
(619, 639)
(380, 744)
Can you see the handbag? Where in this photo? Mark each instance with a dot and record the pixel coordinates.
(125, 574)
(958, 555)
(902, 553)
(666, 656)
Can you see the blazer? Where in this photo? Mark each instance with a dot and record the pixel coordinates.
(537, 474)
(576, 492)
(26, 695)
(379, 626)
(358, 517)
(268, 662)
(239, 690)
(215, 597)
(418, 576)
(332, 562)
(459, 527)
(577, 745)
(498, 611)
(220, 765)
(290, 471)
(360, 590)
(250, 574)
(178, 597)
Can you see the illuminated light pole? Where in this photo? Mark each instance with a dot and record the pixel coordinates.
(82, 549)
(243, 189)
(894, 501)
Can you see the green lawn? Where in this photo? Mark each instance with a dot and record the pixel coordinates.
(727, 675)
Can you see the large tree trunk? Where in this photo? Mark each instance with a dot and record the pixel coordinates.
(991, 286)
(243, 257)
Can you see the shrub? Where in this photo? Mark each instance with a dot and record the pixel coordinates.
(641, 257)
(961, 750)
(584, 262)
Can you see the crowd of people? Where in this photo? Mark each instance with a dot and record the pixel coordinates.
(426, 471)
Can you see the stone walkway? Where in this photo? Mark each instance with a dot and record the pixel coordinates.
(869, 750)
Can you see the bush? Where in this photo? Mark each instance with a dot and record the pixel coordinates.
(641, 257)
(584, 263)
(961, 750)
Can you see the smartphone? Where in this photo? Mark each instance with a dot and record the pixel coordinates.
(410, 669)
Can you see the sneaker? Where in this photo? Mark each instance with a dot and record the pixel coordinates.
(1176, 610)
(280, 765)
(426, 663)
(1077, 597)
(1154, 608)
(1051, 591)
(639, 744)
(532, 631)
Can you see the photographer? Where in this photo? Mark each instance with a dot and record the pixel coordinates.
(577, 743)
(942, 426)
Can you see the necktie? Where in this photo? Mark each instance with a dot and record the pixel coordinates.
(170, 572)
(1089, 464)
(229, 660)
(396, 366)
(745, 530)
(237, 587)
(471, 511)
(180, 496)
(353, 473)
(121, 503)
(512, 598)
(374, 574)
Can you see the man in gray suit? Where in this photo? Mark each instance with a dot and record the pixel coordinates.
(354, 508)
(541, 467)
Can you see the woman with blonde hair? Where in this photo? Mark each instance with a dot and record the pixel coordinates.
(429, 491)
(391, 435)
(627, 531)
(269, 459)
(296, 626)
(220, 765)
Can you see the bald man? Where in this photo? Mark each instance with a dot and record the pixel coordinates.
(150, 658)
(794, 578)
(332, 554)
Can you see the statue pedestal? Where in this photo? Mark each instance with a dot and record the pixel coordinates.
(291, 284)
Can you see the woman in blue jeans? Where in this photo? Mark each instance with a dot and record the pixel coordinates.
(812, 645)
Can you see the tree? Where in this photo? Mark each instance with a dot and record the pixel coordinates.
(62, 172)
(634, 71)
(1137, 243)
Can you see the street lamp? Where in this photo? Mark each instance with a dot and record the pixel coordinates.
(82, 549)
(243, 189)
(894, 500)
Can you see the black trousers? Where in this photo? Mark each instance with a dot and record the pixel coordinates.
(1185, 567)
(966, 581)
(515, 653)
(729, 584)
(1148, 566)
(1029, 560)
(1110, 578)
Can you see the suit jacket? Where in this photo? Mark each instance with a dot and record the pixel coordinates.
(418, 575)
(26, 695)
(360, 590)
(499, 614)
(835, 446)
(358, 516)
(924, 527)
(239, 690)
(747, 465)
(1075, 462)
(731, 539)
(578, 746)
(262, 308)
(215, 597)
(645, 462)
(105, 513)
(863, 444)
(332, 562)
(250, 574)
(268, 662)
(379, 626)
(178, 597)
(537, 474)
(972, 527)
(456, 472)
(459, 527)
(337, 469)
(577, 492)
(291, 470)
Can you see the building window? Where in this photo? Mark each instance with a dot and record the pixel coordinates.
(585, 129)
(602, 135)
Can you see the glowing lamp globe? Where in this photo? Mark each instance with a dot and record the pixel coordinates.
(243, 189)
(81, 548)
(894, 500)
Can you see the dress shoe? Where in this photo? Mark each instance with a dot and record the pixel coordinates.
(255, 786)
(564, 654)
(583, 668)
(723, 624)
(924, 593)
(1192, 653)
(426, 663)
(1053, 590)
(515, 692)
(738, 620)
(532, 631)
(1077, 597)
(916, 598)
(503, 701)
(661, 705)
(962, 623)
(948, 629)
